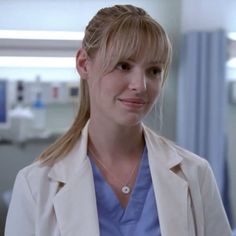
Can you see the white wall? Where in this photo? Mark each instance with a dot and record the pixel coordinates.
(209, 14)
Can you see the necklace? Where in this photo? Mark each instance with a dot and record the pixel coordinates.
(125, 189)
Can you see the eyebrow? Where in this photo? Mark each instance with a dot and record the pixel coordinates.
(149, 63)
(156, 63)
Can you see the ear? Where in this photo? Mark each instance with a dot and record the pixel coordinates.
(82, 63)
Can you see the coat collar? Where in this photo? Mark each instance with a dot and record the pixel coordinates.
(68, 167)
(75, 204)
(171, 190)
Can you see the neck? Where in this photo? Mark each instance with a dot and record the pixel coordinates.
(117, 152)
(110, 141)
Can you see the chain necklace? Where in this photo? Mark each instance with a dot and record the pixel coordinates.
(125, 189)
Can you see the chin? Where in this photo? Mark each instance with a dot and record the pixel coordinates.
(130, 121)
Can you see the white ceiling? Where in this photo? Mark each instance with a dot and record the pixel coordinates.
(74, 14)
(70, 15)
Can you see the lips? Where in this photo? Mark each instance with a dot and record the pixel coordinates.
(132, 102)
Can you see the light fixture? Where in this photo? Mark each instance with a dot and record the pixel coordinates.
(41, 35)
(232, 35)
(231, 63)
(37, 62)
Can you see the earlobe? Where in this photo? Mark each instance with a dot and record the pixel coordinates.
(81, 63)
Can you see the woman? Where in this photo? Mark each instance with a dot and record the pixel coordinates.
(110, 174)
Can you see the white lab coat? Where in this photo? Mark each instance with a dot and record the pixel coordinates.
(60, 199)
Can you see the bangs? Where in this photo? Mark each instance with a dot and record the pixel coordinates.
(135, 38)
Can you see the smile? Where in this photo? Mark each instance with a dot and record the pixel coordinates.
(132, 102)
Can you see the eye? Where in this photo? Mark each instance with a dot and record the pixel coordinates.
(123, 66)
(154, 72)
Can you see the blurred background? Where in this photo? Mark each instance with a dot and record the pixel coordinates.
(39, 84)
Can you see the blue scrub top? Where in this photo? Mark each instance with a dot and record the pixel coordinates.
(139, 218)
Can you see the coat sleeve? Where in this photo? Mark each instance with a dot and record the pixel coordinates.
(21, 212)
(216, 222)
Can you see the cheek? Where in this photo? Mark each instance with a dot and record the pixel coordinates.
(112, 86)
(154, 90)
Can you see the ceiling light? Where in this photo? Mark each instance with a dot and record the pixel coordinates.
(37, 62)
(41, 35)
(231, 63)
(232, 35)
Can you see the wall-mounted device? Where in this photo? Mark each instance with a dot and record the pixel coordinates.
(4, 103)
(232, 92)
(73, 92)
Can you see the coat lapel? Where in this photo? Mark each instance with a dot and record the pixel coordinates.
(75, 204)
(171, 191)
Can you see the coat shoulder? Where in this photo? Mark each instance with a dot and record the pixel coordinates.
(35, 171)
(36, 177)
(170, 147)
(188, 155)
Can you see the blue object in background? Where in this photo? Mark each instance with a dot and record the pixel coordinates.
(3, 101)
(39, 111)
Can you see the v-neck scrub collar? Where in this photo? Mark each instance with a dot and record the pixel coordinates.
(140, 216)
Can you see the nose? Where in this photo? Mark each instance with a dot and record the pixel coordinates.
(138, 82)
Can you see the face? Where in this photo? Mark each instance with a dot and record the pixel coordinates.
(125, 94)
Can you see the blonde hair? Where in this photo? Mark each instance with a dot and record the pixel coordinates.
(114, 34)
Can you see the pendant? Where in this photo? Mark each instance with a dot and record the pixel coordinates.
(125, 189)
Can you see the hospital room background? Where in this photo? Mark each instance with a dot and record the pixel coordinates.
(39, 89)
